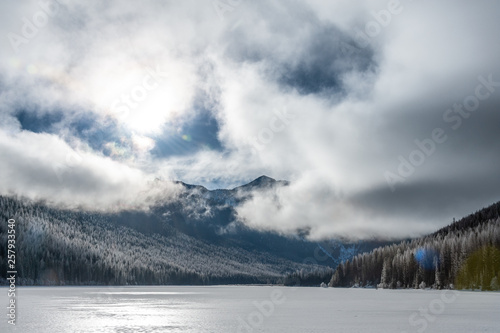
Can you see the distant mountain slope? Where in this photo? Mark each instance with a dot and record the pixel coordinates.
(466, 254)
(211, 216)
(193, 240)
(63, 247)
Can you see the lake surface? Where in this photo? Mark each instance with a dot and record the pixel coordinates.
(230, 309)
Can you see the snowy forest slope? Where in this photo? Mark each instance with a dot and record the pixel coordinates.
(65, 247)
(463, 255)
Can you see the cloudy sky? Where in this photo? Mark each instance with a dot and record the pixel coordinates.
(384, 115)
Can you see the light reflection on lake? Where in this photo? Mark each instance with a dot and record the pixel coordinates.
(245, 309)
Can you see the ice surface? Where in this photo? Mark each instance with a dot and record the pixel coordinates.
(230, 309)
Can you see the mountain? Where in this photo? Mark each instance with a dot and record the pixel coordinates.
(463, 255)
(195, 239)
(263, 182)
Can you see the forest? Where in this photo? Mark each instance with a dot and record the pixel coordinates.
(64, 247)
(463, 255)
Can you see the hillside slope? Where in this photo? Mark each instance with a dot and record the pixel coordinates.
(194, 239)
(65, 247)
(464, 255)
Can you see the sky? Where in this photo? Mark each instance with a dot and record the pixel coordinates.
(383, 115)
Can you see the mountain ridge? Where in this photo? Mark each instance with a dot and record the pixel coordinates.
(194, 240)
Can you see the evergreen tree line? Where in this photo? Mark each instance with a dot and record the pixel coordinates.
(464, 255)
(64, 247)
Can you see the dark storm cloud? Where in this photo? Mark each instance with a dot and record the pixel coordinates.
(437, 201)
(471, 138)
(323, 62)
(318, 59)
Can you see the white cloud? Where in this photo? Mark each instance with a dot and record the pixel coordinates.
(345, 132)
(43, 167)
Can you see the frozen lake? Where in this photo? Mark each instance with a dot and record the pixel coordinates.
(230, 309)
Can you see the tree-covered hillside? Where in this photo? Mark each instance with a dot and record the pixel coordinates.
(67, 247)
(464, 255)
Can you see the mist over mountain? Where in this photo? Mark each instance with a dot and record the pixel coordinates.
(197, 238)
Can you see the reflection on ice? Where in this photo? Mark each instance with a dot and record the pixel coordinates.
(230, 309)
(143, 293)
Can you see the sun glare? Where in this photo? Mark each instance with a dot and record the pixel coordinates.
(144, 97)
(146, 111)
